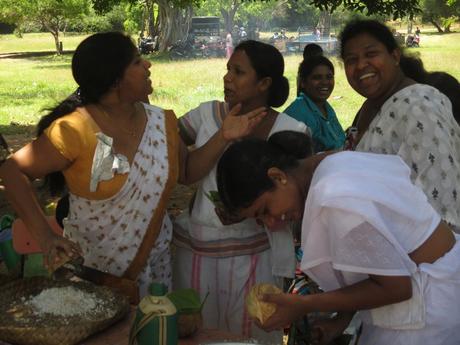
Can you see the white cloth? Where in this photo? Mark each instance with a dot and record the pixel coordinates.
(417, 124)
(106, 162)
(226, 260)
(363, 216)
(110, 231)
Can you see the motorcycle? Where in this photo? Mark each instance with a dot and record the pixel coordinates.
(182, 50)
(146, 45)
(413, 41)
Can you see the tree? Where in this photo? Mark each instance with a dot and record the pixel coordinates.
(169, 19)
(394, 8)
(174, 16)
(441, 13)
(53, 15)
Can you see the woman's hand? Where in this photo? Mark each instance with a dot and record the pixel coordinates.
(57, 250)
(289, 308)
(237, 126)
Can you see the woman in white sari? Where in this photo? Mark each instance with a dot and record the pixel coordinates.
(118, 157)
(370, 239)
(219, 255)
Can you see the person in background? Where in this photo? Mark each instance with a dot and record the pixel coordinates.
(317, 33)
(118, 157)
(229, 45)
(417, 31)
(402, 116)
(316, 83)
(218, 253)
(370, 239)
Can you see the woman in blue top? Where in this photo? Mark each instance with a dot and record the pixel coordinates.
(316, 82)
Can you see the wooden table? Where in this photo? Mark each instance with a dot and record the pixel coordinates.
(118, 334)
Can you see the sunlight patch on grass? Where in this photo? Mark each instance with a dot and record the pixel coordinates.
(29, 85)
(35, 42)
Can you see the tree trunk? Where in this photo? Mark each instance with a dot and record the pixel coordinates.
(409, 26)
(53, 28)
(438, 27)
(324, 23)
(150, 19)
(229, 15)
(174, 23)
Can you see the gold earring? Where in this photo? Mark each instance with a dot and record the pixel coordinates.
(283, 181)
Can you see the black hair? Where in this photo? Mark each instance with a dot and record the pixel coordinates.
(62, 210)
(307, 66)
(411, 65)
(312, 49)
(242, 169)
(98, 64)
(448, 85)
(297, 144)
(267, 61)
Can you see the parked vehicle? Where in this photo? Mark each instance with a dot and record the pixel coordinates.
(296, 45)
(413, 41)
(183, 49)
(206, 31)
(203, 41)
(146, 45)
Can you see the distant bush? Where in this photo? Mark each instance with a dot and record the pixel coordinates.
(111, 21)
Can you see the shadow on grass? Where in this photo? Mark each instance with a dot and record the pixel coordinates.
(436, 33)
(24, 55)
(18, 129)
(54, 66)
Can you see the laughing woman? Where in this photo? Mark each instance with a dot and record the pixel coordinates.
(370, 239)
(403, 117)
(316, 83)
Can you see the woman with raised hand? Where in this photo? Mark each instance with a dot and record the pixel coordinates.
(315, 85)
(221, 254)
(402, 116)
(118, 158)
(370, 239)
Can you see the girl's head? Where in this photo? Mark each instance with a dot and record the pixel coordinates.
(316, 78)
(254, 172)
(449, 86)
(312, 49)
(255, 71)
(99, 63)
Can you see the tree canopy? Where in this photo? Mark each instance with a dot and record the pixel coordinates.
(50, 14)
(394, 8)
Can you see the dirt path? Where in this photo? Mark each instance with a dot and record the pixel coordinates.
(179, 200)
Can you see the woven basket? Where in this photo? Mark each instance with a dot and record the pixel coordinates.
(19, 325)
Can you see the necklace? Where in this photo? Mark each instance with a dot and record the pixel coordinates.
(131, 132)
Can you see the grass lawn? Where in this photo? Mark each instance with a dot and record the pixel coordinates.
(35, 42)
(29, 85)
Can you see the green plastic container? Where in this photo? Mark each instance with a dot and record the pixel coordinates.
(156, 319)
